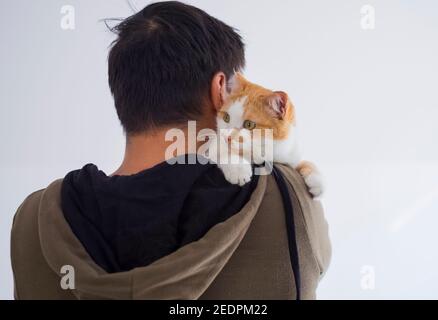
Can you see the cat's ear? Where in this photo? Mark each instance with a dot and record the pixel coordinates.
(278, 104)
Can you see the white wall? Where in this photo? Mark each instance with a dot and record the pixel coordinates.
(367, 106)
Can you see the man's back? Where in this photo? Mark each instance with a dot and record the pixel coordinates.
(244, 257)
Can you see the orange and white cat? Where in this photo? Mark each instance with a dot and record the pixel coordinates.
(249, 108)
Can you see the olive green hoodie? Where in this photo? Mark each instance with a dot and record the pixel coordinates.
(245, 257)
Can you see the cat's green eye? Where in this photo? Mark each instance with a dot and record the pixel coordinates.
(249, 125)
(227, 118)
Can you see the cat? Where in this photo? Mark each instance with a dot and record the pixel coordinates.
(248, 108)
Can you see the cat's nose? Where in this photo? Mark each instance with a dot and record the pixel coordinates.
(229, 139)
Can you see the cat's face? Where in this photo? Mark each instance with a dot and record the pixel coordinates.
(249, 107)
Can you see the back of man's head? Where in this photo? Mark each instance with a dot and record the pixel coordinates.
(163, 61)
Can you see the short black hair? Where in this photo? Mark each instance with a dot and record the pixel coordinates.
(162, 63)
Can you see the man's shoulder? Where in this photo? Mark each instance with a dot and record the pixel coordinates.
(292, 176)
(30, 205)
(312, 213)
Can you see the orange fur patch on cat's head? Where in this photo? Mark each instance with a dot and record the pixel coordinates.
(265, 108)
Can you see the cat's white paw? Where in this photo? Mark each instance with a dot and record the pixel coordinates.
(315, 183)
(239, 174)
(312, 177)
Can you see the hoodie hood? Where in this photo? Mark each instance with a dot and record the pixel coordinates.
(183, 273)
(126, 222)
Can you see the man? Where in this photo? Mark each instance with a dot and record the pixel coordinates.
(153, 230)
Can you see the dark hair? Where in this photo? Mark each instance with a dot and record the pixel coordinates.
(162, 63)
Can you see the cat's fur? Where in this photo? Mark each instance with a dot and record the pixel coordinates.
(247, 105)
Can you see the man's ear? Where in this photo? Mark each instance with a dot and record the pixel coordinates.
(218, 90)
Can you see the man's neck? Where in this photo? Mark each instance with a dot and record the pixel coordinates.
(145, 151)
(142, 152)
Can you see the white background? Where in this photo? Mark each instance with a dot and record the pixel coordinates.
(366, 100)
